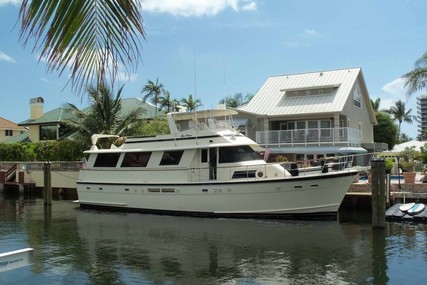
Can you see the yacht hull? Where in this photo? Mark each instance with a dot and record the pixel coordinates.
(315, 195)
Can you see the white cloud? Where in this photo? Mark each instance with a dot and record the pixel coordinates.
(311, 32)
(303, 39)
(124, 76)
(44, 79)
(251, 6)
(13, 2)
(6, 58)
(385, 104)
(198, 8)
(396, 88)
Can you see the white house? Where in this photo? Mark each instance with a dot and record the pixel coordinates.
(308, 116)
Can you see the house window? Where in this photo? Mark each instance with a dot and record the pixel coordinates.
(299, 156)
(357, 98)
(312, 124)
(326, 131)
(301, 125)
(48, 133)
(8, 133)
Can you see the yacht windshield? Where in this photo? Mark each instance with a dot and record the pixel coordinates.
(237, 153)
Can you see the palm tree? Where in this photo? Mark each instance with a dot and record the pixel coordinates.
(166, 102)
(399, 113)
(416, 79)
(104, 116)
(376, 104)
(236, 100)
(153, 90)
(249, 97)
(190, 103)
(91, 39)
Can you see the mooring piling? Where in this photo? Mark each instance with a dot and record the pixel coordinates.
(378, 193)
(47, 184)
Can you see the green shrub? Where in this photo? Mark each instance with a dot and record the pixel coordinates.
(65, 150)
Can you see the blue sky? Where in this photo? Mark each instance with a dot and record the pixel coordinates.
(232, 46)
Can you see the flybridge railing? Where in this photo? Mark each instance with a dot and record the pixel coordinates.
(309, 137)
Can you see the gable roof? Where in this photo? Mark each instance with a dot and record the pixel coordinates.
(63, 113)
(9, 125)
(274, 98)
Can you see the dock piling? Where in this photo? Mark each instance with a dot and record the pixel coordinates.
(47, 184)
(378, 193)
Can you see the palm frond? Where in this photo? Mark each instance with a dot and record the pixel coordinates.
(89, 38)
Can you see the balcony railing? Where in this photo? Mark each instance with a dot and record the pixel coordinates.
(309, 137)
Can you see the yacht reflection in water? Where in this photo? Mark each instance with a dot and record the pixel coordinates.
(152, 249)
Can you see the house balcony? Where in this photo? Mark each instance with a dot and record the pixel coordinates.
(309, 137)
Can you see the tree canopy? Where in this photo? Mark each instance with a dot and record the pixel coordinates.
(386, 130)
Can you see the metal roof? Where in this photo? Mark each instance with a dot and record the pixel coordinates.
(24, 137)
(275, 96)
(63, 113)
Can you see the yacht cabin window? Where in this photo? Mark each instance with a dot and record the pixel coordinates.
(106, 160)
(204, 157)
(237, 153)
(136, 159)
(171, 157)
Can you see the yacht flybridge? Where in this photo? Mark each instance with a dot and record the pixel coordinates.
(203, 167)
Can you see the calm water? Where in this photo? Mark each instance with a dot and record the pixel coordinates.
(73, 246)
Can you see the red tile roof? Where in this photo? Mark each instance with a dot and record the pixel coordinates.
(6, 124)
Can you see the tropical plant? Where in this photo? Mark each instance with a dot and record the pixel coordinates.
(153, 90)
(190, 103)
(104, 116)
(408, 158)
(385, 131)
(158, 126)
(64, 150)
(236, 100)
(91, 39)
(404, 138)
(399, 113)
(167, 103)
(389, 163)
(416, 79)
(376, 104)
